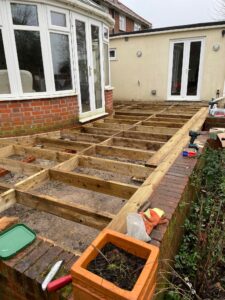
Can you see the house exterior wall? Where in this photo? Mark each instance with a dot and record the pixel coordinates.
(23, 117)
(151, 71)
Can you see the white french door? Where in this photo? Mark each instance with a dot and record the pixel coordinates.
(185, 69)
(88, 50)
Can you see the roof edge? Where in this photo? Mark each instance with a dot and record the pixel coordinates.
(170, 28)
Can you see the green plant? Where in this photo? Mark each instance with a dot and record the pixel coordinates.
(201, 256)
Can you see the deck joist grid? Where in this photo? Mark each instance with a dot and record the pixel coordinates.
(123, 156)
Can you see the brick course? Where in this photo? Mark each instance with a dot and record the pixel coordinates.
(30, 116)
(109, 101)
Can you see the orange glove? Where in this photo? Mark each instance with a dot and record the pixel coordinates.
(152, 218)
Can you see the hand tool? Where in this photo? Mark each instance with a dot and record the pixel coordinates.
(51, 274)
(59, 283)
(194, 135)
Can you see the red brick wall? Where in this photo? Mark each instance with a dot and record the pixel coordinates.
(129, 25)
(30, 116)
(109, 101)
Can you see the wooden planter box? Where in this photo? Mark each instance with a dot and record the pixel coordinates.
(88, 286)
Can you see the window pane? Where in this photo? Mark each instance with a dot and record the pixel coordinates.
(61, 61)
(195, 52)
(30, 61)
(58, 19)
(83, 66)
(106, 64)
(4, 79)
(177, 68)
(96, 65)
(23, 14)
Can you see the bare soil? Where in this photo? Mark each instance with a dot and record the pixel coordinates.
(67, 234)
(118, 266)
(84, 197)
(106, 175)
(13, 178)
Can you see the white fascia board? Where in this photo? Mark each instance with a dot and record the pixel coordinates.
(166, 31)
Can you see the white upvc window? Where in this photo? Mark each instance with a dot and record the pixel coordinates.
(137, 26)
(112, 54)
(122, 21)
(60, 45)
(35, 51)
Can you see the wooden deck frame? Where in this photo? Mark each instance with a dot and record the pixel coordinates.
(112, 131)
(101, 164)
(50, 155)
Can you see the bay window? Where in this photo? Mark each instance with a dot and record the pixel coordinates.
(28, 47)
(4, 79)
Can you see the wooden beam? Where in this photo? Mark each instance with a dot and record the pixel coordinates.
(157, 130)
(144, 193)
(84, 137)
(137, 144)
(162, 124)
(174, 116)
(18, 166)
(168, 120)
(73, 212)
(123, 152)
(182, 134)
(109, 125)
(100, 131)
(95, 184)
(120, 121)
(145, 136)
(56, 143)
(7, 199)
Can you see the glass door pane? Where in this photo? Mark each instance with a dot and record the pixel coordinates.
(83, 65)
(193, 72)
(96, 65)
(178, 53)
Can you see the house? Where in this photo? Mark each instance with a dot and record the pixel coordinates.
(54, 64)
(126, 20)
(183, 63)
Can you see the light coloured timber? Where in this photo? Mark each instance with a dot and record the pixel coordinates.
(162, 124)
(136, 143)
(70, 211)
(145, 136)
(122, 168)
(95, 184)
(144, 193)
(7, 199)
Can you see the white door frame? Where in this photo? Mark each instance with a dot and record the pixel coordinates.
(93, 111)
(184, 78)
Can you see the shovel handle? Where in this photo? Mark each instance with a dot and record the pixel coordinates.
(59, 283)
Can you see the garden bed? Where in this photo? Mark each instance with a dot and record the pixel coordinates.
(200, 262)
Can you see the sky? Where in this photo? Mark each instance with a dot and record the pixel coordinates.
(164, 13)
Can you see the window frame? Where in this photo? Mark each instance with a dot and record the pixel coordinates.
(61, 11)
(122, 22)
(114, 57)
(11, 55)
(137, 26)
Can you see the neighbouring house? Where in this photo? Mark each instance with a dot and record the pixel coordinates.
(54, 64)
(126, 20)
(184, 63)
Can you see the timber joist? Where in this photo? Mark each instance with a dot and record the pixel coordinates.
(95, 174)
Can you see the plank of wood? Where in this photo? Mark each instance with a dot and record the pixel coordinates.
(84, 137)
(174, 142)
(19, 166)
(120, 121)
(56, 143)
(123, 152)
(145, 136)
(137, 144)
(93, 130)
(33, 181)
(162, 124)
(7, 199)
(144, 193)
(157, 130)
(70, 211)
(109, 125)
(95, 184)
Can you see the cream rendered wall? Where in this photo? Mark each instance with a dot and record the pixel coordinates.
(134, 78)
